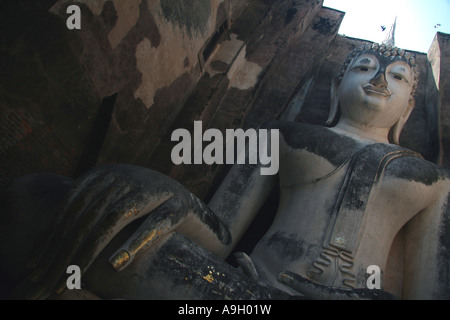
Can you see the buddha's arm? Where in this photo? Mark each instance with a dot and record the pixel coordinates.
(239, 198)
(426, 248)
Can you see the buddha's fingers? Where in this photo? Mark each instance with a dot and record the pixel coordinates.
(158, 224)
(48, 272)
(81, 234)
(131, 206)
(181, 210)
(96, 211)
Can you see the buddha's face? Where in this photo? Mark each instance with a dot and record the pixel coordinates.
(375, 90)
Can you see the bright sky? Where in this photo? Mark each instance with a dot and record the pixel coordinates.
(418, 21)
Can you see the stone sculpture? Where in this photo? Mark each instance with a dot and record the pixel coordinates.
(349, 199)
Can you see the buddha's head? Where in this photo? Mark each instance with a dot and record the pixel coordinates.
(375, 88)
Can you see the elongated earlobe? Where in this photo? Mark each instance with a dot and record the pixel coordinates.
(397, 129)
(334, 105)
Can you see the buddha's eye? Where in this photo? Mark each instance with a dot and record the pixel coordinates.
(364, 69)
(398, 77)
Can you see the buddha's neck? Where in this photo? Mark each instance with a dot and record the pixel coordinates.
(362, 132)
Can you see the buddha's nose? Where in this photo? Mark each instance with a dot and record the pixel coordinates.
(379, 80)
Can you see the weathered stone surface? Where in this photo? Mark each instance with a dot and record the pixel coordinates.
(421, 132)
(127, 47)
(439, 57)
(292, 67)
(268, 53)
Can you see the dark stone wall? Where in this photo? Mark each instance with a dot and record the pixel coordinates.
(439, 56)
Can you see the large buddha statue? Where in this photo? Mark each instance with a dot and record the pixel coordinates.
(349, 198)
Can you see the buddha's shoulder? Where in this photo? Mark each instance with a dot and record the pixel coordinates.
(299, 134)
(316, 139)
(393, 160)
(410, 166)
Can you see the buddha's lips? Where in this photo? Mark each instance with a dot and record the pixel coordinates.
(369, 88)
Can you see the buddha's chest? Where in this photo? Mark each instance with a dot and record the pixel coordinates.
(306, 165)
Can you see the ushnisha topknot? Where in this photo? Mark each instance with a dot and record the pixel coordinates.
(387, 51)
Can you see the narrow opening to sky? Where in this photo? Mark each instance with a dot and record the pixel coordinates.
(418, 21)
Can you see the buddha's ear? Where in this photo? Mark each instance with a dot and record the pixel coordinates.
(397, 129)
(334, 105)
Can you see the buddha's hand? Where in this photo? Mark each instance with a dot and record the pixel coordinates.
(315, 291)
(97, 207)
